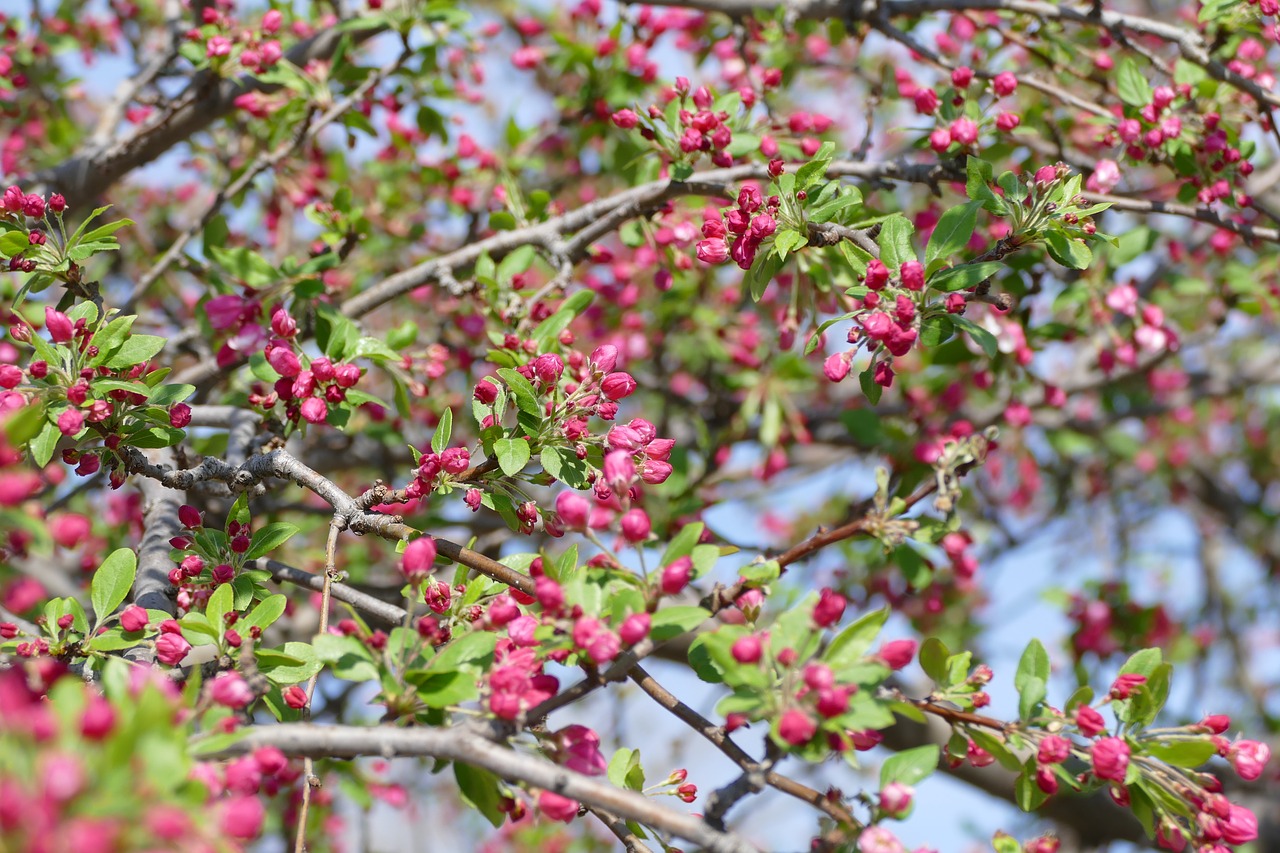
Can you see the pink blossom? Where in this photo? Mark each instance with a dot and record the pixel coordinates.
(217, 46)
(283, 361)
(796, 727)
(1089, 721)
(634, 628)
(230, 689)
(617, 386)
(747, 649)
(1004, 84)
(896, 799)
(1240, 825)
(418, 557)
(134, 618)
(61, 330)
(69, 529)
(1110, 758)
(527, 58)
(573, 510)
(1249, 757)
(171, 649)
(98, 718)
(70, 422)
(898, 653)
(675, 576)
(635, 525)
(877, 839)
(1106, 174)
(242, 817)
(829, 609)
(179, 415)
(557, 807)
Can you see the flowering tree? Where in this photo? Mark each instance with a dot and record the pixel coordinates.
(398, 381)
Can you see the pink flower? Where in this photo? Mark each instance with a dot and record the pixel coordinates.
(1106, 174)
(573, 509)
(242, 817)
(964, 130)
(1249, 757)
(625, 119)
(1240, 825)
(829, 609)
(926, 101)
(1004, 84)
(877, 839)
(1125, 684)
(98, 719)
(557, 807)
(217, 46)
(877, 275)
(912, 275)
(1110, 758)
(1007, 121)
(896, 798)
(69, 530)
(171, 649)
(634, 628)
(635, 525)
(836, 367)
(898, 653)
(1053, 750)
(962, 77)
(134, 618)
(675, 576)
(283, 361)
(59, 325)
(1089, 721)
(179, 415)
(527, 58)
(70, 422)
(10, 376)
(418, 557)
(295, 697)
(747, 649)
(617, 386)
(230, 689)
(271, 21)
(796, 727)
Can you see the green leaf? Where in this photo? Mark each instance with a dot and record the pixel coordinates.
(625, 770)
(761, 273)
(138, 349)
(933, 660)
(851, 644)
(1181, 753)
(895, 241)
(1131, 84)
(112, 582)
(518, 261)
(168, 395)
(473, 649)
(936, 330)
(964, 276)
(513, 454)
(1026, 792)
(1003, 842)
(673, 621)
(522, 390)
(444, 431)
(245, 264)
(787, 241)
(870, 388)
(221, 602)
(442, 688)
(269, 538)
(1032, 678)
(264, 615)
(564, 465)
(45, 443)
(350, 658)
(25, 424)
(480, 788)
(910, 766)
(282, 670)
(978, 179)
(682, 543)
(816, 169)
(14, 243)
(848, 197)
(953, 232)
(980, 336)
(1071, 253)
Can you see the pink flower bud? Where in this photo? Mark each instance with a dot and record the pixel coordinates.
(1249, 757)
(796, 727)
(1216, 723)
(877, 275)
(747, 649)
(962, 77)
(418, 557)
(1089, 721)
(223, 573)
(573, 509)
(675, 576)
(314, 410)
(59, 326)
(1053, 750)
(829, 609)
(179, 415)
(1110, 758)
(635, 525)
(71, 422)
(557, 807)
(896, 799)
(605, 358)
(625, 119)
(98, 719)
(634, 628)
(898, 653)
(295, 697)
(912, 275)
(283, 361)
(617, 386)
(836, 366)
(171, 649)
(1124, 685)
(1004, 84)
(231, 690)
(134, 618)
(282, 324)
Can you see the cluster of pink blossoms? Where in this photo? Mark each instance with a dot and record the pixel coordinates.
(962, 131)
(307, 392)
(751, 223)
(258, 52)
(16, 205)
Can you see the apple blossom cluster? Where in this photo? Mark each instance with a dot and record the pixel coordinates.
(232, 49)
(752, 222)
(962, 126)
(308, 390)
(55, 797)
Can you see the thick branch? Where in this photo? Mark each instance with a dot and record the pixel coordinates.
(299, 739)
